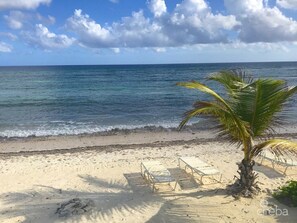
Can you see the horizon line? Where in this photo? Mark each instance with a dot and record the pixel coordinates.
(143, 64)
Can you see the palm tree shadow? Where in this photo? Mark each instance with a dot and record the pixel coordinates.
(187, 208)
(268, 171)
(135, 198)
(40, 204)
(179, 207)
(113, 184)
(184, 179)
(137, 183)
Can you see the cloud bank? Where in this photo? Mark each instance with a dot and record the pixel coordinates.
(191, 22)
(260, 23)
(188, 23)
(22, 4)
(287, 4)
(43, 38)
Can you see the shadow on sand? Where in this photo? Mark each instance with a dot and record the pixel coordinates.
(268, 171)
(126, 199)
(131, 198)
(41, 203)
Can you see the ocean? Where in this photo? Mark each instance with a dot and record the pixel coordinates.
(71, 100)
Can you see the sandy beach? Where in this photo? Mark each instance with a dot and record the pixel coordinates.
(39, 174)
(100, 101)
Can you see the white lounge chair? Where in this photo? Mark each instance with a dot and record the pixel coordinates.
(155, 173)
(199, 167)
(282, 160)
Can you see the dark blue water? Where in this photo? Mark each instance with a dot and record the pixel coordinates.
(58, 100)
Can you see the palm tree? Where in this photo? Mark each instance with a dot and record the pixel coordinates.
(248, 111)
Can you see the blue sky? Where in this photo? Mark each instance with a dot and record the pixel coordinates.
(57, 32)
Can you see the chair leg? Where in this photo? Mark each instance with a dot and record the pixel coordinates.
(201, 179)
(285, 170)
(175, 185)
(262, 160)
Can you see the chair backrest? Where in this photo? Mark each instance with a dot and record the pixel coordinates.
(279, 158)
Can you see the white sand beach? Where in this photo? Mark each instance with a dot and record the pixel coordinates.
(106, 169)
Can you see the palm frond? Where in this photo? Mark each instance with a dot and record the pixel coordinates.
(200, 108)
(260, 103)
(232, 80)
(227, 125)
(233, 119)
(201, 87)
(276, 146)
(251, 110)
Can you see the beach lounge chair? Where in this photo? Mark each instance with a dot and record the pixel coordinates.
(282, 160)
(199, 167)
(155, 173)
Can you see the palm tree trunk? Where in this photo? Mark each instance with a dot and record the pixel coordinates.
(246, 184)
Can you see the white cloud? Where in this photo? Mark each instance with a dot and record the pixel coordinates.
(49, 20)
(114, 1)
(138, 31)
(287, 4)
(269, 25)
(5, 48)
(260, 23)
(22, 4)
(158, 7)
(43, 38)
(90, 33)
(15, 19)
(192, 7)
(19, 20)
(243, 6)
(191, 22)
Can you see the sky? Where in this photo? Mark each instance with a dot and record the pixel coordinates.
(66, 32)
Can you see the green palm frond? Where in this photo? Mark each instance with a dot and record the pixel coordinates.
(260, 103)
(219, 109)
(250, 110)
(205, 108)
(227, 127)
(201, 87)
(232, 80)
(276, 146)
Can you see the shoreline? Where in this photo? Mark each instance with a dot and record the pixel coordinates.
(88, 142)
(115, 140)
(203, 125)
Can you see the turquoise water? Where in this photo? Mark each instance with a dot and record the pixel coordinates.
(55, 100)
